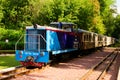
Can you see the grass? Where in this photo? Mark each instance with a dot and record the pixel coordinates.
(8, 61)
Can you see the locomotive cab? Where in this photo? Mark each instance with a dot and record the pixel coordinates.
(63, 25)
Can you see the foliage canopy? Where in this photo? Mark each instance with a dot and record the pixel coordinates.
(93, 15)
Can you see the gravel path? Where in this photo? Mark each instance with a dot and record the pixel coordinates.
(74, 69)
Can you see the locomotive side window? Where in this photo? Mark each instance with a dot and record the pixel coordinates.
(68, 28)
(84, 38)
(56, 25)
(90, 37)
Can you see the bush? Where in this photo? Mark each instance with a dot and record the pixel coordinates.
(12, 36)
(117, 44)
(11, 46)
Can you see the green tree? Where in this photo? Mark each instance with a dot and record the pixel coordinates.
(89, 17)
(97, 25)
(60, 10)
(69, 11)
(107, 15)
(116, 32)
(15, 13)
(92, 15)
(1, 13)
(85, 15)
(45, 13)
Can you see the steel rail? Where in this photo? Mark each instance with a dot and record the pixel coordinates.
(7, 73)
(86, 75)
(17, 71)
(7, 52)
(101, 76)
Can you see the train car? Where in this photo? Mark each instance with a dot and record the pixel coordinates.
(110, 41)
(86, 39)
(41, 43)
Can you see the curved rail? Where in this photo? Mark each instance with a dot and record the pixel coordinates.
(17, 71)
(114, 53)
(13, 72)
(101, 76)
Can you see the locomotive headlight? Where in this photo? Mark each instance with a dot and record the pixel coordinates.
(42, 54)
(20, 52)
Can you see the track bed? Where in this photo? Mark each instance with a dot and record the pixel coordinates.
(74, 69)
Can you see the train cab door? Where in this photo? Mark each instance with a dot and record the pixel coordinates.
(96, 40)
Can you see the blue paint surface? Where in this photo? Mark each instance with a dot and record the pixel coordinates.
(63, 51)
(38, 56)
(59, 40)
(52, 41)
(56, 42)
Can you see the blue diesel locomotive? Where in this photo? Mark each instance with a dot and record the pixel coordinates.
(42, 42)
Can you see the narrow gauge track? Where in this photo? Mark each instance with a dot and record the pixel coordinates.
(17, 71)
(7, 51)
(103, 66)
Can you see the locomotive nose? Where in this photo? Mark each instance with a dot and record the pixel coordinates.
(30, 59)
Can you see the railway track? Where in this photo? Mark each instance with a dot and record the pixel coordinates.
(17, 71)
(102, 67)
(20, 70)
(7, 51)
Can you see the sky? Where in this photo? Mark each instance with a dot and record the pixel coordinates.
(118, 6)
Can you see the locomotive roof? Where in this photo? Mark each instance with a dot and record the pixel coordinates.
(64, 23)
(46, 27)
(81, 30)
(57, 29)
